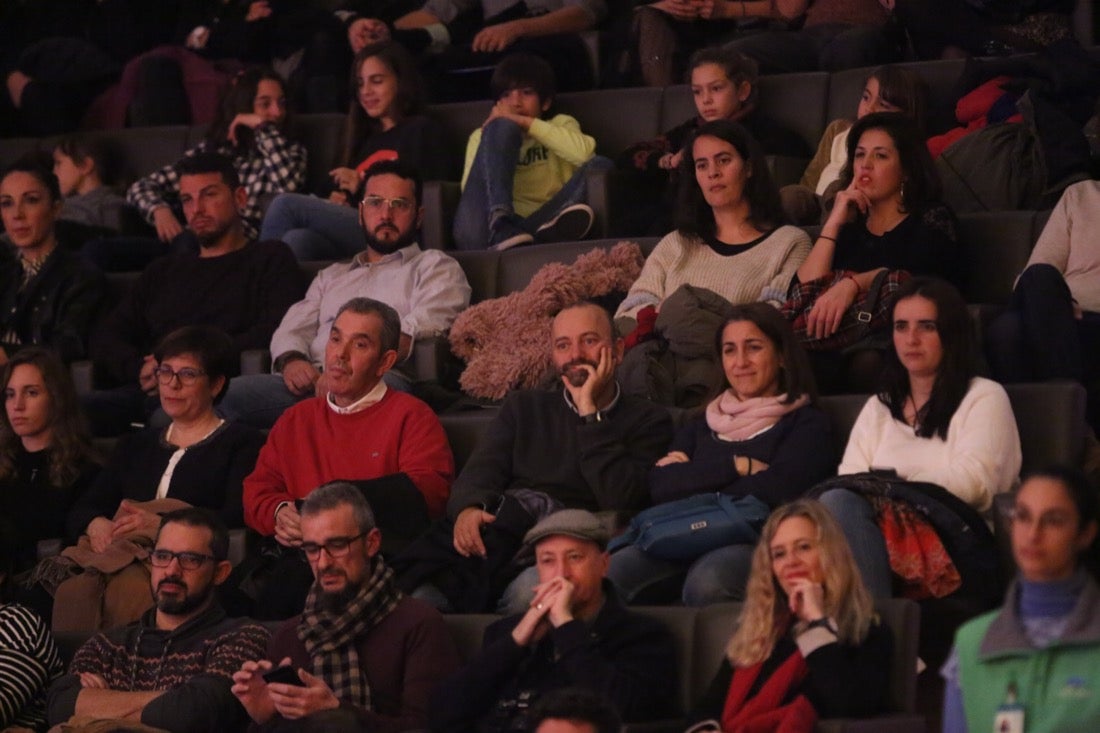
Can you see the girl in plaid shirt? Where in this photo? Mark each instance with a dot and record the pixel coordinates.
(250, 129)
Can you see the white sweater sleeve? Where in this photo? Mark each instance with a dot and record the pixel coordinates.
(982, 448)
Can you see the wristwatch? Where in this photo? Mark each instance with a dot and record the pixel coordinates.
(822, 623)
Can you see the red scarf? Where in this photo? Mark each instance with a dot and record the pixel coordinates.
(764, 711)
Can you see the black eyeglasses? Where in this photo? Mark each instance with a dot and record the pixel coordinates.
(336, 548)
(187, 375)
(187, 560)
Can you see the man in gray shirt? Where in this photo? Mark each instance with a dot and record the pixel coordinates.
(427, 288)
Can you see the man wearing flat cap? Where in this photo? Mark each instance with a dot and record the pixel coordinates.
(574, 633)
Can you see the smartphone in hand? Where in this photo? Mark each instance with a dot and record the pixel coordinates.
(287, 675)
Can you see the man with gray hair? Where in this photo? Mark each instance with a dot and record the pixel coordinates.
(361, 657)
(357, 430)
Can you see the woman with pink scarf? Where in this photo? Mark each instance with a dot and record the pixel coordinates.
(761, 436)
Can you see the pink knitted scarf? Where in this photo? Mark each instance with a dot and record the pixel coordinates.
(734, 419)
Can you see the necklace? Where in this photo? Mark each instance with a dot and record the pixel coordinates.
(168, 434)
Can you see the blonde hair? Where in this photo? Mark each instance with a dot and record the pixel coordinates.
(766, 614)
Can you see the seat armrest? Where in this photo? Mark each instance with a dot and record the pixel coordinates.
(432, 360)
(440, 203)
(238, 546)
(255, 361)
(83, 374)
(599, 191)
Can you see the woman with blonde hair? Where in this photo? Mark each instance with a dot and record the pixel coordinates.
(808, 644)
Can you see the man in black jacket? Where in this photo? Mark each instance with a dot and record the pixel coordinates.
(574, 633)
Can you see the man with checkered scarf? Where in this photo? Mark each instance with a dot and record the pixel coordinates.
(363, 657)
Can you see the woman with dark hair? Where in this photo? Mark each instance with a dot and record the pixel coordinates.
(1038, 652)
(761, 436)
(730, 236)
(886, 217)
(250, 129)
(724, 87)
(47, 296)
(887, 89)
(199, 458)
(387, 120)
(808, 643)
(46, 455)
(934, 421)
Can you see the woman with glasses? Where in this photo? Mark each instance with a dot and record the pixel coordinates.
(1032, 663)
(199, 458)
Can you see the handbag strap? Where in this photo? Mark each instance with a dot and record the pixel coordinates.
(874, 294)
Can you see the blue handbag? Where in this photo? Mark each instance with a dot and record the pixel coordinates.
(688, 528)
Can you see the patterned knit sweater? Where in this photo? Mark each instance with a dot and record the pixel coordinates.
(761, 270)
(193, 665)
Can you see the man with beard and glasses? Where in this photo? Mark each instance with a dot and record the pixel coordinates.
(583, 445)
(426, 287)
(357, 429)
(233, 283)
(173, 669)
(362, 656)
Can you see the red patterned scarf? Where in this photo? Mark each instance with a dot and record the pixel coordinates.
(765, 712)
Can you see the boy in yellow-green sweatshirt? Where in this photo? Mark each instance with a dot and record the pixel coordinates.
(524, 178)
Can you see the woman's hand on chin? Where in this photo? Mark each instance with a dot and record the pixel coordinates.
(848, 203)
(807, 600)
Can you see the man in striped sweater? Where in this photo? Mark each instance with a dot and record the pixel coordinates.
(173, 668)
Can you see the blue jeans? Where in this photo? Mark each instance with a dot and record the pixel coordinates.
(313, 228)
(257, 400)
(489, 187)
(719, 575)
(856, 518)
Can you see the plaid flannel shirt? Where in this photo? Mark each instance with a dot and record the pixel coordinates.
(272, 165)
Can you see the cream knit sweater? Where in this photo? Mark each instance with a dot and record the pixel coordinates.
(763, 272)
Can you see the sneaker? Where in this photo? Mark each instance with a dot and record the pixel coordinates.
(570, 225)
(505, 234)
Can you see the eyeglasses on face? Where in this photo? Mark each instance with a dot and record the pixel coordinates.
(398, 204)
(336, 547)
(187, 560)
(187, 375)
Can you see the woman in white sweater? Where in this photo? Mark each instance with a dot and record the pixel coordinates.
(730, 236)
(934, 422)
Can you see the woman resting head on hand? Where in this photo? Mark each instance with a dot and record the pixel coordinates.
(808, 626)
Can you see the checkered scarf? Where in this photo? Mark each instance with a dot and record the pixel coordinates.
(330, 637)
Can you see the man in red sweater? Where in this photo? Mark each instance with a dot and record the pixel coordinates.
(355, 429)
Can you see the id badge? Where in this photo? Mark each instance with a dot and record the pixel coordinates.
(1009, 719)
